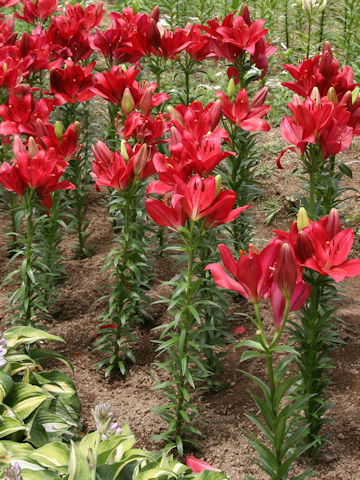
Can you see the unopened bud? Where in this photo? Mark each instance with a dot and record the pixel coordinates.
(231, 88)
(355, 95)
(285, 274)
(331, 96)
(123, 151)
(146, 102)
(135, 7)
(140, 159)
(215, 114)
(258, 332)
(123, 67)
(259, 98)
(302, 219)
(218, 181)
(306, 6)
(77, 129)
(34, 2)
(322, 6)
(32, 147)
(127, 102)
(13, 472)
(315, 96)
(5, 67)
(245, 14)
(175, 115)
(58, 129)
(155, 13)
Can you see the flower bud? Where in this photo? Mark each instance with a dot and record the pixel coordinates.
(127, 102)
(315, 96)
(123, 151)
(259, 98)
(175, 115)
(331, 96)
(333, 225)
(322, 6)
(302, 219)
(218, 181)
(58, 129)
(245, 14)
(155, 14)
(355, 95)
(18, 146)
(5, 67)
(135, 7)
(215, 114)
(77, 129)
(32, 147)
(13, 472)
(231, 88)
(303, 247)
(34, 2)
(285, 274)
(146, 102)
(154, 33)
(140, 159)
(123, 67)
(325, 65)
(307, 6)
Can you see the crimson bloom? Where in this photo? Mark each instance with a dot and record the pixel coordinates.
(243, 114)
(39, 172)
(72, 83)
(251, 275)
(331, 252)
(37, 11)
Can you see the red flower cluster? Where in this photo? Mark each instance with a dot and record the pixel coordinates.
(34, 169)
(330, 114)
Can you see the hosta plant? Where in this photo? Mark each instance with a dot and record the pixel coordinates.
(37, 405)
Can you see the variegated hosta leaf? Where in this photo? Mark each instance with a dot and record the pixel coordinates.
(39, 475)
(9, 425)
(26, 335)
(79, 468)
(6, 384)
(25, 398)
(54, 455)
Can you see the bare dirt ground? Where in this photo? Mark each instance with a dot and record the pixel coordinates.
(223, 444)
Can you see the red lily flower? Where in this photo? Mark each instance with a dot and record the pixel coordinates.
(253, 271)
(198, 466)
(37, 11)
(40, 172)
(8, 3)
(145, 128)
(200, 47)
(20, 114)
(7, 34)
(245, 115)
(111, 169)
(66, 146)
(34, 50)
(169, 214)
(72, 83)
(330, 253)
(85, 18)
(172, 43)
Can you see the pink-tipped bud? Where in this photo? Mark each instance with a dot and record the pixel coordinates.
(259, 98)
(102, 154)
(215, 114)
(127, 102)
(58, 129)
(155, 13)
(76, 129)
(175, 115)
(18, 146)
(315, 96)
(333, 225)
(245, 14)
(303, 247)
(32, 147)
(175, 136)
(140, 159)
(325, 66)
(146, 102)
(198, 466)
(285, 274)
(40, 128)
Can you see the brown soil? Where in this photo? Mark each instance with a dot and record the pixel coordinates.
(224, 443)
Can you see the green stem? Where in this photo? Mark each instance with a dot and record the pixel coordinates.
(312, 180)
(27, 302)
(185, 324)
